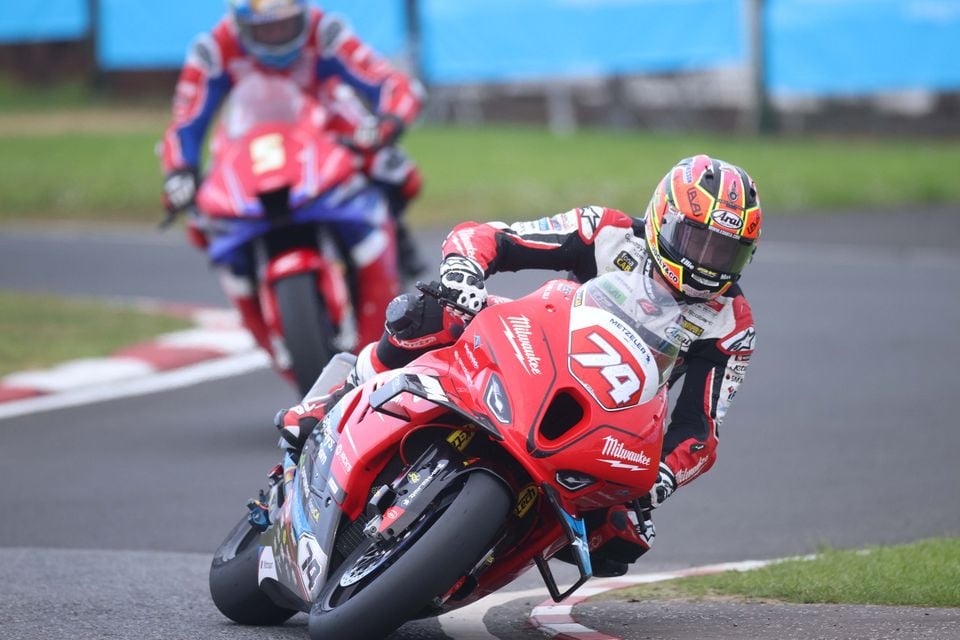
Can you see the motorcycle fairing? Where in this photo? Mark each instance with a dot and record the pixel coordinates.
(510, 339)
(228, 236)
(428, 388)
(272, 156)
(310, 512)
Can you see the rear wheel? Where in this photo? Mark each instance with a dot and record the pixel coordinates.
(376, 589)
(233, 580)
(307, 330)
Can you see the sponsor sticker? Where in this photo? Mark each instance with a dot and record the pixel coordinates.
(623, 458)
(625, 261)
(695, 329)
(526, 499)
(459, 439)
(518, 332)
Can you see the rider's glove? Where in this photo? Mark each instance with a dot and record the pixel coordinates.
(378, 132)
(179, 189)
(665, 485)
(461, 281)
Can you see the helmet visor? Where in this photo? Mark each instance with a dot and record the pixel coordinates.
(277, 33)
(705, 247)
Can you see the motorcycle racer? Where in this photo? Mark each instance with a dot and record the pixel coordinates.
(367, 101)
(700, 229)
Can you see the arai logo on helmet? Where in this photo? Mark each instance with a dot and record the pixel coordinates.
(727, 219)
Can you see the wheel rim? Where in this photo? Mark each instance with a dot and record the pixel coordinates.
(377, 557)
(364, 566)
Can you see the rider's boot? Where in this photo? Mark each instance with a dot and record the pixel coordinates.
(618, 536)
(298, 423)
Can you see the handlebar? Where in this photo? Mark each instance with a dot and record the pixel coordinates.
(433, 290)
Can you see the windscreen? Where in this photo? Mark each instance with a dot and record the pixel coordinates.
(259, 98)
(645, 306)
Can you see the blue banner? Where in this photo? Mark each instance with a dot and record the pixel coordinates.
(150, 34)
(43, 21)
(813, 47)
(508, 40)
(857, 47)
(145, 34)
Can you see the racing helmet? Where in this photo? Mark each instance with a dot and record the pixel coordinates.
(702, 226)
(272, 31)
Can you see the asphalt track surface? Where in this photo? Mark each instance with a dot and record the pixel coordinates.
(844, 433)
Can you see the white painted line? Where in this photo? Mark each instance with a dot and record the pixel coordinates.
(556, 619)
(467, 623)
(214, 318)
(78, 374)
(165, 381)
(233, 341)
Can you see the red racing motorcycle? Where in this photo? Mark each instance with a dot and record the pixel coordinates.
(284, 206)
(434, 485)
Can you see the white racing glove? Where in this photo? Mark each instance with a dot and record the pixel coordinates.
(662, 489)
(461, 281)
(179, 190)
(378, 132)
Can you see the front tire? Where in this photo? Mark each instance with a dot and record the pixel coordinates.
(425, 569)
(233, 580)
(307, 330)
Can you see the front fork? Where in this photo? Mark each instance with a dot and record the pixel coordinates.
(575, 530)
(331, 287)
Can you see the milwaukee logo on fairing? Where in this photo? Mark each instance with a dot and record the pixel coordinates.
(613, 447)
(518, 333)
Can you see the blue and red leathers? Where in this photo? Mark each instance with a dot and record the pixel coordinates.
(344, 74)
(354, 86)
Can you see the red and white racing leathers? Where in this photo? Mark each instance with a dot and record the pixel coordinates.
(344, 74)
(717, 336)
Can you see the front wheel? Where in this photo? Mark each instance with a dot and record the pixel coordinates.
(307, 330)
(371, 594)
(233, 580)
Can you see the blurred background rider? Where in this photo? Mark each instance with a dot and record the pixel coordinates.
(370, 102)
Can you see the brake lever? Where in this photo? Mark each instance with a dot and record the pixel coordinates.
(435, 292)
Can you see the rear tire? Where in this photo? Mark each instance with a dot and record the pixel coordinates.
(425, 569)
(233, 580)
(307, 330)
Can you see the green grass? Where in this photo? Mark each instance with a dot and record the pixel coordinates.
(924, 574)
(100, 166)
(38, 331)
(526, 172)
